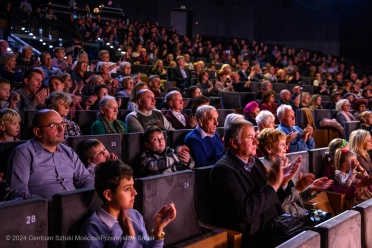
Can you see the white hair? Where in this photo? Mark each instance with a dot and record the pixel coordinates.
(232, 117)
(281, 110)
(340, 103)
(264, 117)
(202, 111)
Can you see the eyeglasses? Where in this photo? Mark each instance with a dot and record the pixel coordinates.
(55, 126)
(66, 105)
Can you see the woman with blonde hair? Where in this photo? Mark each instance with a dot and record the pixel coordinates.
(159, 70)
(360, 143)
(316, 102)
(96, 80)
(305, 100)
(281, 77)
(8, 62)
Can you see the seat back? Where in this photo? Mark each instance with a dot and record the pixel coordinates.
(22, 219)
(203, 201)
(279, 87)
(156, 191)
(344, 230)
(168, 85)
(139, 69)
(349, 127)
(5, 149)
(304, 167)
(112, 142)
(229, 100)
(222, 113)
(320, 114)
(85, 119)
(159, 100)
(365, 210)
(70, 210)
(302, 240)
(316, 160)
(246, 97)
(122, 114)
(177, 137)
(124, 102)
(300, 118)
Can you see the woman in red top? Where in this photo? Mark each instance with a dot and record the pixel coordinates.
(268, 98)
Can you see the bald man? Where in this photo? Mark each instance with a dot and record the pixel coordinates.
(43, 166)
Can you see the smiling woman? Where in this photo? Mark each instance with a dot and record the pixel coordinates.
(107, 122)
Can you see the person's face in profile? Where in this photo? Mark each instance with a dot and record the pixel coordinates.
(124, 195)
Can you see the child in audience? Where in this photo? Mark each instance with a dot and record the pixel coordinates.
(9, 125)
(349, 171)
(5, 101)
(159, 159)
(116, 223)
(92, 152)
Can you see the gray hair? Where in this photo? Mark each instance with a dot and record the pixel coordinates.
(5, 57)
(264, 83)
(232, 117)
(170, 95)
(264, 117)
(104, 101)
(234, 130)
(202, 111)
(124, 64)
(51, 101)
(283, 92)
(281, 110)
(102, 64)
(340, 103)
(151, 78)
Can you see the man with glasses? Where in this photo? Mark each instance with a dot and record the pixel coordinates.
(48, 68)
(43, 166)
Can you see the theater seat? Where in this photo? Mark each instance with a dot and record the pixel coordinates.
(302, 240)
(112, 142)
(177, 137)
(316, 159)
(229, 100)
(85, 119)
(5, 149)
(246, 97)
(222, 113)
(70, 210)
(22, 222)
(178, 187)
(349, 127)
(343, 230)
(331, 202)
(304, 167)
(365, 210)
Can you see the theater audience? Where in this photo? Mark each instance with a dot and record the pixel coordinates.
(154, 86)
(99, 92)
(115, 221)
(268, 103)
(197, 102)
(365, 121)
(107, 122)
(128, 84)
(204, 143)
(343, 115)
(304, 140)
(146, 114)
(61, 103)
(316, 102)
(7, 71)
(39, 164)
(92, 152)
(207, 87)
(125, 71)
(360, 143)
(47, 67)
(132, 104)
(175, 116)
(360, 105)
(59, 60)
(265, 86)
(159, 159)
(9, 125)
(251, 110)
(8, 99)
(285, 98)
(180, 74)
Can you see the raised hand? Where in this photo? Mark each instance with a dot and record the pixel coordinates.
(163, 217)
(40, 96)
(126, 223)
(291, 136)
(321, 184)
(304, 181)
(289, 170)
(275, 174)
(113, 156)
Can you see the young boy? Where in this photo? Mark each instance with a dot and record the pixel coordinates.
(9, 125)
(92, 152)
(116, 223)
(4, 96)
(158, 159)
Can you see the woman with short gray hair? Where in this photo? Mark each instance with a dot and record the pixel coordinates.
(61, 103)
(108, 122)
(343, 114)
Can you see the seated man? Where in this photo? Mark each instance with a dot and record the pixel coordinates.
(304, 140)
(104, 57)
(240, 86)
(146, 115)
(175, 116)
(181, 75)
(245, 195)
(265, 86)
(116, 223)
(48, 68)
(43, 166)
(154, 84)
(255, 75)
(205, 145)
(285, 98)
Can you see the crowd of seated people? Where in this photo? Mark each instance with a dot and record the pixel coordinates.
(60, 86)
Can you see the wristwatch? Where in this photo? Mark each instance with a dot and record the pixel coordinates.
(161, 237)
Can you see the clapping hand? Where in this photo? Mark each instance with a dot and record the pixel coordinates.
(289, 170)
(125, 223)
(163, 217)
(304, 181)
(321, 184)
(291, 136)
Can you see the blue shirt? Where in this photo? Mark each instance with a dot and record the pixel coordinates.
(103, 230)
(34, 171)
(53, 71)
(298, 144)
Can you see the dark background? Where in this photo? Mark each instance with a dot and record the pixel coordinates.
(338, 27)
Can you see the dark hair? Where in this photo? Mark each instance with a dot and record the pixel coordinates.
(267, 94)
(109, 174)
(197, 101)
(84, 149)
(56, 77)
(4, 81)
(150, 130)
(191, 91)
(29, 73)
(98, 87)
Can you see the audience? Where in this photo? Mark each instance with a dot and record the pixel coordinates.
(9, 125)
(360, 144)
(343, 114)
(8, 99)
(251, 111)
(175, 116)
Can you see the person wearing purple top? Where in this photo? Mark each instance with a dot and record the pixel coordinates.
(43, 166)
(116, 223)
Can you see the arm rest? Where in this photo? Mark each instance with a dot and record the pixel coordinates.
(216, 238)
(337, 201)
(234, 237)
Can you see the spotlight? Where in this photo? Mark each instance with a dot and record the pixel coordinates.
(50, 46)
(41, 40)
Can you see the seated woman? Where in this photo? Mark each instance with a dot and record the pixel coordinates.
(223, 82)
(96, 80)
(268, 103)
(359, 106)
(196, 103)
(365, 121)
(295, 78)
(132, 104)
(7, 69)
(128, 83)
(360, 143)
(316, 102)
(305, 100)
(323, 89)
(108, 122)
(26, 58)
(197, 71)
(206, 86)
(79, 75)
(281, 77)
(272, 143)
(343, 115)
(159, 159)
(251, 111)
(159, 70)
(192, 92)
(112, 84)
(168, 59)
(61, 102)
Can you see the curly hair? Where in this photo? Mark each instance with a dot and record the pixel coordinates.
(267, 137)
